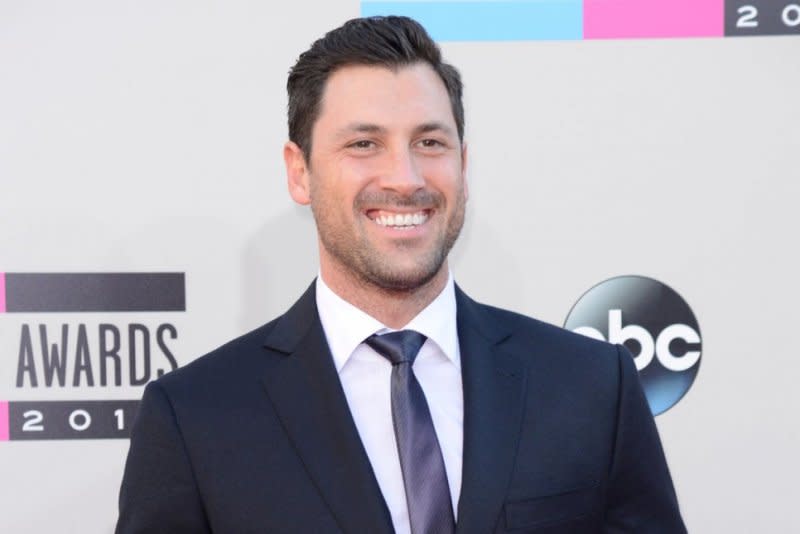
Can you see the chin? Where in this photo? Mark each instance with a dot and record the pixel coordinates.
(402, 280)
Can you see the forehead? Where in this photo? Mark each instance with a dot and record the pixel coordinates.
(388, 97)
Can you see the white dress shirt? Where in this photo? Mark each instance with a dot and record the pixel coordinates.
(366, 376)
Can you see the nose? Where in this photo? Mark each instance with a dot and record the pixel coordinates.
(402, 173)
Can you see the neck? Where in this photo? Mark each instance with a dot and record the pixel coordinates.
(393, 308)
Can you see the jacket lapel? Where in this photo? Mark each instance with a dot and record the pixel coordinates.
(494, 391)
(304, 387)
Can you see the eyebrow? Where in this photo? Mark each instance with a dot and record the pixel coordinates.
(365, 127)
(359, 127)
(433, 127)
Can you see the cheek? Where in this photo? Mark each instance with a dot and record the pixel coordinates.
(335, 191)
(355, 176)
(359, 171)
(443, 174)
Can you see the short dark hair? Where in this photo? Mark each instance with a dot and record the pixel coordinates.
(391, 41)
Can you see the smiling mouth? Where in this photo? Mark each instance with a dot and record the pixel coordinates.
(401, 221)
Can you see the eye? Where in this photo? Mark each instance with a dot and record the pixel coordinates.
(432, 146)
(362, 144)
(431, 143)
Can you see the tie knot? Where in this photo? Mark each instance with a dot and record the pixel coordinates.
(397, 347)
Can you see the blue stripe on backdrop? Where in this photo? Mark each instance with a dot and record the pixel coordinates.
(523, 20)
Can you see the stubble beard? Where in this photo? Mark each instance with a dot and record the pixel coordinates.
(356, 255)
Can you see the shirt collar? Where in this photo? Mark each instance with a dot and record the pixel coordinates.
(347, 326)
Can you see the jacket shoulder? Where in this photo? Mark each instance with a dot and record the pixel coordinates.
(239, 356)
(558, 341)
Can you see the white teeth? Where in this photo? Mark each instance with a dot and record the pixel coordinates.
(400, 220)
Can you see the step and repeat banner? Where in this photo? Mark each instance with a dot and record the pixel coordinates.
(634, 177)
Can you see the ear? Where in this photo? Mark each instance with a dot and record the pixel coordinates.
(297, 178)
(464, 170)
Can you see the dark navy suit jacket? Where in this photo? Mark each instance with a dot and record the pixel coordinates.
(257, 437)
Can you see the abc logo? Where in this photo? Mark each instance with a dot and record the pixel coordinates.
(654, 323)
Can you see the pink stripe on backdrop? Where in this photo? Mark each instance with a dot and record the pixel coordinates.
(2, 292)
(3, 420)
(610, 19)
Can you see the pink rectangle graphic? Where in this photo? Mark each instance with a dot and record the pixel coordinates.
(619, 19)
(2, 292)
(3, 420)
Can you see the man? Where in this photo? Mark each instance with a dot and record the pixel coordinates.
(386, 399)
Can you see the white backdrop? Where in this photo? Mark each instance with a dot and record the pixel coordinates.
(146, 136)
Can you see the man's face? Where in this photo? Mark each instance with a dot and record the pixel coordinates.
(385, 178)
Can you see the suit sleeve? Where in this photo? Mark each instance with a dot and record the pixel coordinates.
(159, 492)
(641, 497)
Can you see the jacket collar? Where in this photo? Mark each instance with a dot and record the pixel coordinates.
(305, 390)
(494, 398)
